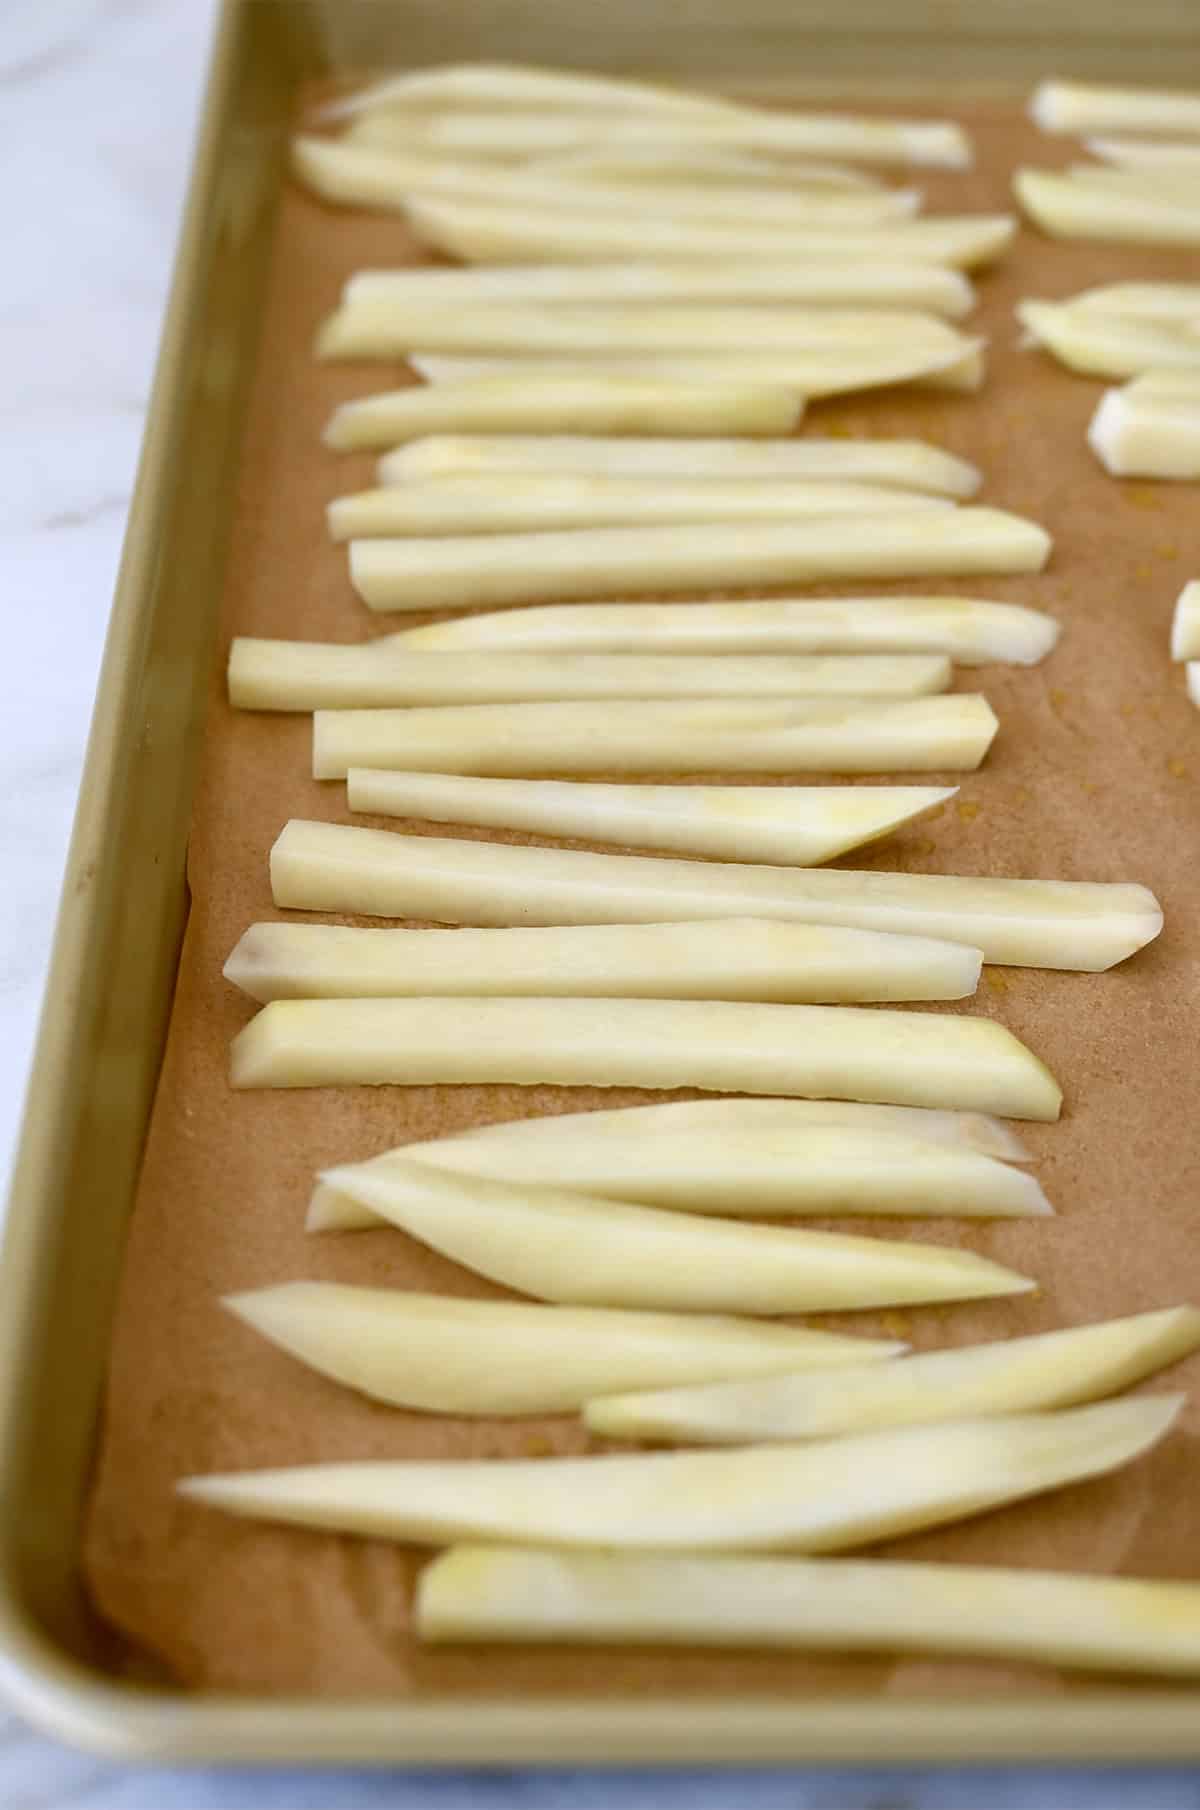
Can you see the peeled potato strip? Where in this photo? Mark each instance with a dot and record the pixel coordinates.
(1185, 623)
(1097, 107)
(1105, 345)
(1069, 209)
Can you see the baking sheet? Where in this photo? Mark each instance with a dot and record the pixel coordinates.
(1092, 776)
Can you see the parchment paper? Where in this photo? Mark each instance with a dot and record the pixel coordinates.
(1093, 776)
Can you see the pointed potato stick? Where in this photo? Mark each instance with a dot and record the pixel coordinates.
(1095, 107)
(971, 632)
(1151, 152)
(309, 675)
(512, 85)
(1142, 433)
(445, 1355)
(603, 402)
(732, 958)
(844, 1052)
(513, 502)
(1015, 1376)
(691, 165)
(497, 1593)
(810, 734)
(1185, 623)
(585, 1250)
(497, 233)
(1177, 184)
(1143, 301)
(797, 283)
(899, 464)
(1022, 923)
(821, 1497)
(1192, 671)
(797, 825)
(585, 563)
(1074, 210)
(1107, 345)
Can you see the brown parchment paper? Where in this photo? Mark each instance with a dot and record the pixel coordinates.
(1093, 775)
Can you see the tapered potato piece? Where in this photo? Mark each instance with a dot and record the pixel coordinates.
(1185, 624)
(1014, 1376)
(1107, 107)
(811, 733)
(821, 1497)
(1165, 302)
(1022, 923)
(1069, 209)
(1192, 680)
(1148, 153)
(587, 563)
(601, 402)
(446, 1355)
(494, 1593)
(1107, 345)
(967, 629)
(512, 85)
(690, 166)
(842, 1052)
(797, 825)
(311, 675)
(1143, 432)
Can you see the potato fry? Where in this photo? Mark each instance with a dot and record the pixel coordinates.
(1148, 432)
(1151, 152)
(1108, 345)
(707, 166)
(513, 85)
(1068, 209)
(1165, 302)
(1185, 623)
(1095, 107)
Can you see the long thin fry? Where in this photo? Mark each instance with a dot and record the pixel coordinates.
(446, 1355)
(821, 1497)
(1025, 923)
(798, 282)
(1135, 180)
(1108, 345)
(310, 675)
(512, 502)
(843, 1052)
(1140, 432)
(1096, 107)
(1142, 301)
(1149, 152)
(969, 630)
(484, 1593)
(587, 563)
(585, 1250)
(899, 464)
(600, 402)
(1192, 671)
(1014, 1376)
(1069, 209)
(732, 958)
(513, 85)
(1185, 623)
(806, 734)
(691, 165)
(797, 825)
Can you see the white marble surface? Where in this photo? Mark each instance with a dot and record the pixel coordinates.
(97, 99)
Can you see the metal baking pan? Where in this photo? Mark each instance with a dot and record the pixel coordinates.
(125, 899)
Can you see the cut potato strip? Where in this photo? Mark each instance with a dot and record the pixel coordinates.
(1015, 1376)
(1024, 923)
(1192, 672)
(586, 563)
(843, 1052)
(599, 401)
(821, 1497)
(1139, 432)
(445, 1355)
(1165, 302)
(1185, 623)
(898, 464)
(1151, 152)
(809, 733)
(482, 1593)
(589, 1251)
(1068, 209)
(799, 283)
(497, 233)
(1177, 184)
(797, 825)
(1095, 107)
(308, 675)
(690, 166)
(732, 958)
(1106, 345)
(513, 85)
(512, 502)
(1178, 384)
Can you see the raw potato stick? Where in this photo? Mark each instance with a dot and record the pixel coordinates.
(1014, 1376)
(484, 1593)
(1022, 923)
(797, 825)
(531, 568)
(1108, 346)
(1141, 431)
(442, 1354)
(809, 733)
(504, 85)
(1185, 624)
(821, 1497)
(690, 166)
(843, 1052)
(968, 630)
(1164, 302)
(1145, 152)
(1192, 671)
(608, 403)
(1069, 209)
(1095, 107)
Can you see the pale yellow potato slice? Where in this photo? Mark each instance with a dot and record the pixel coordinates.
(718, 1046)
(896, 464)
(1165, 302)
(1013, 1376)
(968, 630)
(1151, 152)
(1108, 345)
(501, 86)
(310, 675)
(819, 1497)
(1185, 623)
(530, 402)
(469, 572)
(809, 733)
(1192, 680)
(1023, 923)
(799, 283)
(513, 503)
(699, 166)
(513, 1594)
(445, 1355)
(1136, 180)
(504, 233)
(1138, 432)
(731, 958)
(797, 825)
(1107, 107)
(1068, 209)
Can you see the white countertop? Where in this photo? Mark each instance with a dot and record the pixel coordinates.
(97, 101)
